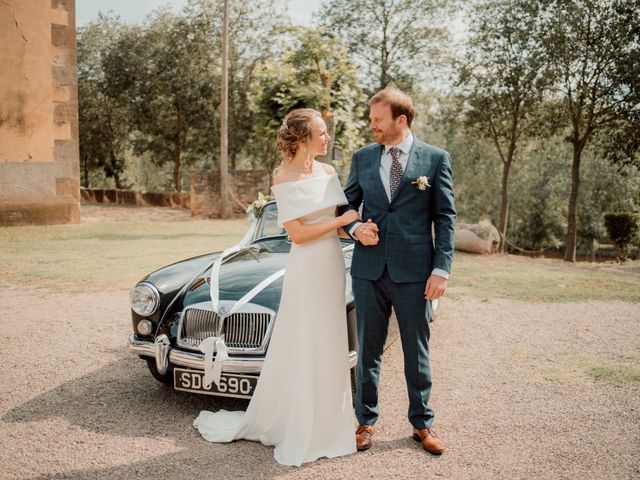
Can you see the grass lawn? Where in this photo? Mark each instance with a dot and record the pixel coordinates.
(106, 256)
(544, 280)
(114, 255)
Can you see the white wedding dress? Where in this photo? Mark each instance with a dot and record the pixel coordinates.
(302, 404)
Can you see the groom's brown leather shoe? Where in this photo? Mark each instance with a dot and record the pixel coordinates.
(364, 435)
(430, 442)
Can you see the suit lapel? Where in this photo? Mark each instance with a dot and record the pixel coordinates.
(377, 181)
(409, 174)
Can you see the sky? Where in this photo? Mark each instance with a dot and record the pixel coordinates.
(135, 11)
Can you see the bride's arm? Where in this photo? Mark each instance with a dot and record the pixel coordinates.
(300, 233)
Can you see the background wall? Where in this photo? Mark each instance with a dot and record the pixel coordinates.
(39, 168)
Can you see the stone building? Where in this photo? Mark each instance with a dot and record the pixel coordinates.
(39, 165)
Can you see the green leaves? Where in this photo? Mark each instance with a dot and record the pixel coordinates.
(315, 71)
(393, 41)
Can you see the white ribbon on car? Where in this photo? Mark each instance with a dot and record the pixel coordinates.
(213, 367)
(215, 274)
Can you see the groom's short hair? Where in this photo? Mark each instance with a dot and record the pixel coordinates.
(400, 103)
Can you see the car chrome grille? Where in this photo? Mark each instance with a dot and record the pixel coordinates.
(243, 330)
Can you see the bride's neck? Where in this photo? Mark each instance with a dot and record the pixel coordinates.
(300, 161)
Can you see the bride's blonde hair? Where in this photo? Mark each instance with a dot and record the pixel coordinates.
(296, 126)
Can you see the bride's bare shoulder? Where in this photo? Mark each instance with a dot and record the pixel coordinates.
(328, 169)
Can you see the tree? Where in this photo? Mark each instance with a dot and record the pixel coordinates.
(315, 71)
(104, 119)
(394, 41)
(165, 72)
(594, 49)
(504, 78)
(255, 37)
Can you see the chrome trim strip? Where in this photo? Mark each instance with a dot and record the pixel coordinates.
(162, 347)
(141, 347)
(233, 365)
(196, 360)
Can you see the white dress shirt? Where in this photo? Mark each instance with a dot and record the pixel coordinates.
(385, 168)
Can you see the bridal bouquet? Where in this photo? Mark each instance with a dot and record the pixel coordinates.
(253, 210)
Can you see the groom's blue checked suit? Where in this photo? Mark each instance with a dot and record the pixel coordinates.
(394, 272)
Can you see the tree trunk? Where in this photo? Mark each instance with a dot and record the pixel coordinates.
(504, 205)
(177, 168)
(86, 173)
(116, 179)
(331, 130)
(571, 240)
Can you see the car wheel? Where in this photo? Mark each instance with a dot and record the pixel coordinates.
(167, 378)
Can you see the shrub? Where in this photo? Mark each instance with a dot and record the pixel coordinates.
(622, 228)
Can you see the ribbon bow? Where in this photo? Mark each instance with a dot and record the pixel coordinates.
(213, 367)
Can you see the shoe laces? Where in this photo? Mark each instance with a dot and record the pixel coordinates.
(362, 428)
(431, 432)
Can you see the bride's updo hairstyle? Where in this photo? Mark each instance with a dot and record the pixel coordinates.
(295, 127)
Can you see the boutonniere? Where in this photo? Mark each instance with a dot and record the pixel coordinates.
(422, 182)
(253, 210)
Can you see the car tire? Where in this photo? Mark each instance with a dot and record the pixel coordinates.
(167, 378)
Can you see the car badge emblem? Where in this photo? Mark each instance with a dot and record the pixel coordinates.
(224, 310)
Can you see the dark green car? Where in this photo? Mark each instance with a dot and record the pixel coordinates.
(173, 311)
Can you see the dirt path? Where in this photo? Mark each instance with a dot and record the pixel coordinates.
(511, 392)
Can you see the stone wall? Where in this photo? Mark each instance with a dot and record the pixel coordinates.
(244, 186)
(39, 163)
(112, 196)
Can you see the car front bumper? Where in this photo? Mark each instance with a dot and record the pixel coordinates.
(165, 355)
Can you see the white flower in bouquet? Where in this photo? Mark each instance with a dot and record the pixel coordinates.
(253, 210)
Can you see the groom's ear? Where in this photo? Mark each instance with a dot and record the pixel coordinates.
(402, 119)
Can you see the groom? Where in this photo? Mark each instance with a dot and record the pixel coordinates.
(404, 187)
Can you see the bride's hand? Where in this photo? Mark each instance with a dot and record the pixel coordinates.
(348, 217)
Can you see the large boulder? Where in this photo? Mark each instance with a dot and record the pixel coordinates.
(477, 237)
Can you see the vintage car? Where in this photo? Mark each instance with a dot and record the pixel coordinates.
(234, 299)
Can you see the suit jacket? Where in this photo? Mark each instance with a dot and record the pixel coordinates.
(406, 245)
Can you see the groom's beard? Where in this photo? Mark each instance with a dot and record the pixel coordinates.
(390, 136)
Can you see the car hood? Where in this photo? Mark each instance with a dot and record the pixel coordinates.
(243, 271)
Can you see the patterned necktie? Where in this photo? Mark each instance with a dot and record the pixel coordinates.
(396, 171)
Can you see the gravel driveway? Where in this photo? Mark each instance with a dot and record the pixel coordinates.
(511, 393)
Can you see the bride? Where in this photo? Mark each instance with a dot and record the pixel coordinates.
(302, 403)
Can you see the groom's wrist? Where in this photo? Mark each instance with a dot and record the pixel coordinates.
(441, 273)
(352, 230)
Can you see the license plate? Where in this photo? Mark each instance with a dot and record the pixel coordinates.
(231, 384)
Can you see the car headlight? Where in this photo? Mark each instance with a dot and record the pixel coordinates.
(144, 299)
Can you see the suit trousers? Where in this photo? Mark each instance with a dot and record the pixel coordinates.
(374, 299)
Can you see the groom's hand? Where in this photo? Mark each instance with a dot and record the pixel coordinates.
(435, 288)
(367, 233)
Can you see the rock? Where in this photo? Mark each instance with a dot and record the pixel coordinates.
(477, 237)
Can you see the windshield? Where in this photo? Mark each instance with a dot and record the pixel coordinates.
(268, 223)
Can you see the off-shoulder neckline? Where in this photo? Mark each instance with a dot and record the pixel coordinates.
(314, 177)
